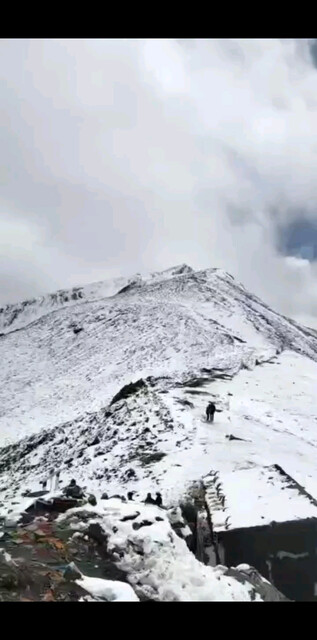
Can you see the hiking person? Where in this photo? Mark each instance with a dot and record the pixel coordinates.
(149, 499)
(158, 500)
(73, 490)
(130, 495)
(210, 412)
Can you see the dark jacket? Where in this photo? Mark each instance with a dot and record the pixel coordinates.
(158, 500)
(210, 408)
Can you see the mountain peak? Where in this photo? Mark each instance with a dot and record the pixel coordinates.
(179, 269)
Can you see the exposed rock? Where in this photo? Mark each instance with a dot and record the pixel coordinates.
(95, 532)
(99, 452)
(128, 287)
(195, 382)
(152, 457)
(35, 494)
(132, 516)
(267, 591)
(72, 572)
(139, 525)
(130, 473)
(186, 403)
(128, 390)
(77, 330)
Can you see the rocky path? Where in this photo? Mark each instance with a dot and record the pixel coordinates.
(41, 559)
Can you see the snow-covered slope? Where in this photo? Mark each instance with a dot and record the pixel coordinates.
(75, 358)
(181, 337)
(21, 314)
(157, 439)
(16, 316)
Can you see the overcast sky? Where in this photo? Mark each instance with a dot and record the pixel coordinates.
(120, 156)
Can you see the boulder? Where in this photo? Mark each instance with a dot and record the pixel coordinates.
(72, 573)
(152, 457)
(138, 525)
(96, 533)
(266, 590)
(128, 390)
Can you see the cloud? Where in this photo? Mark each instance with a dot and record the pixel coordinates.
(124, 155)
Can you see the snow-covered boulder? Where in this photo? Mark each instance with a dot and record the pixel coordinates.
(157, 562)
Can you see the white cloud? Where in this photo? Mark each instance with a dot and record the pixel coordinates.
(131, 154)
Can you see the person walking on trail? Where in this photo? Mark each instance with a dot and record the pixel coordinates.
(73, 490)
(210, 412)
(158, 499)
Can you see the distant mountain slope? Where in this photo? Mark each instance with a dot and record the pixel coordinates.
(16, 316)
(73, 359)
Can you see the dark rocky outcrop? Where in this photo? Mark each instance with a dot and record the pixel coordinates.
(265, 589)
(127, 288)
(128, 390)
(152, 457)
(144, 523)
(186, 403)
(96, 533)
(132, 516)
(72, 572)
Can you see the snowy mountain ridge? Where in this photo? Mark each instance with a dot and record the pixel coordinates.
(111, 388)
(175, 326)
(17, 315)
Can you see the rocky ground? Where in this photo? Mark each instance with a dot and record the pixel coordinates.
(65, 549)
(40, 559)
